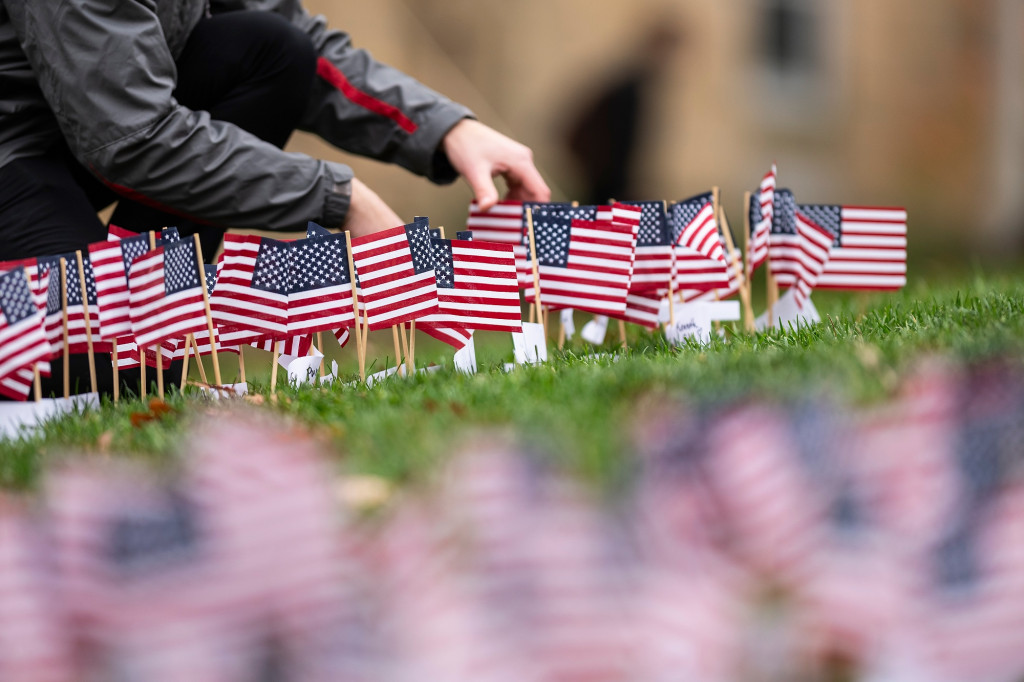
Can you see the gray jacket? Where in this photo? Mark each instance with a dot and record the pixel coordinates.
(101, 74)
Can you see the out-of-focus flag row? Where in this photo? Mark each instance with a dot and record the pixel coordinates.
(752, 541)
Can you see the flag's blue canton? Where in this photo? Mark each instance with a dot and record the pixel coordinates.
(210, 271)
(464, 235)
(314, 230)
(318, 263)
(421, 220)
(132, 248)
(755, 211)
(51, 265)
(653, 224)
(435, 232)
(271, 270)
(444, 263)
(828, 217)
(552, 228)
(684, 212)
(181, 267)
(165, 533)
(75, 282)
(169, 235)
(535, 206)
(15, 297)
(418, 235)
(784, 221)
(846, 511)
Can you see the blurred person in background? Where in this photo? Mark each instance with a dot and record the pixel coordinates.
(604, 135)
(179, 110)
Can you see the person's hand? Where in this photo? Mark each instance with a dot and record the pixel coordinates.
(480, 154)
(367, 212)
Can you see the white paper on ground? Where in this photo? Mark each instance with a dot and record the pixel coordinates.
(329, 379)
(568, 323)
(663, 311)
(24, 418)
(400, 371)
(787, 313)
(531, 346)
(229, 391)
(694, 320)
(465, 358)
(595, 330)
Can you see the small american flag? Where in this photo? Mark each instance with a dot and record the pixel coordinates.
(476, 285)
(505, 223)
(22, 332)
(396, 275)
(18, 384)
(762, 208)
(320, 285)
(784, 250)
(168, 235)
(583, 264)
(817, 229)
(166, 294)
(694, 226)
(252, 288)
(869, 252)
(111, 261)
(77, 337)
(652, 268)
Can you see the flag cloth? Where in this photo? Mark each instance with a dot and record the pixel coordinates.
(77, 338)
(455, 336)
(783, 242)
(320, 285)
(695, 227)
(22, 333)
(251, 298)
(166, 294)
(869, 252)
(18, 384)
(111, 261)
(762, 208)
(396, 275)
(505, 223)
(815, 241)
(476, 285)
(652, 266)
(583, 264)
(642, 308)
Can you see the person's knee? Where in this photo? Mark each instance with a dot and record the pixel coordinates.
(293, 48)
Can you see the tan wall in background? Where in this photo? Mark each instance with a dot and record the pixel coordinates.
(901, 115)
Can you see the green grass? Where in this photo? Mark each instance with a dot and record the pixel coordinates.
(577, 407)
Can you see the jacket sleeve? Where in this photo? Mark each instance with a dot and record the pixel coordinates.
(107, 74)
(368, 108)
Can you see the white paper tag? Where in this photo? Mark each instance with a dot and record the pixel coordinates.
(786, 313)
(304, 370)
(24, 418)
(531, 346)
(465, 358)
(595, 330)
(568, 323)
(229, 391)
(694, 320)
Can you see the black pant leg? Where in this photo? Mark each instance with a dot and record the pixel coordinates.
(250, 68)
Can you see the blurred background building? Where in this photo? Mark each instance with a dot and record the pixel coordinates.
(913, 102)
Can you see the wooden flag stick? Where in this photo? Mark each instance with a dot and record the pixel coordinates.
(159, 370)
(405, 347)
(88, 323)
(671, 283)
(67, 339)
(561, 333)
(37, 387)
(273, 369)
(323, 360)
(209, 314)
(142, 372)
(241, 365)
(622, 333)
(736, 265)
(360, 343)
(398, 349)
(117, 373)
(366, 338)
(184, 363)
(536, 271)
(199, 358)
(412, 347)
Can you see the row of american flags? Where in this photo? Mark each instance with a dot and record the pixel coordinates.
(625, 260)
(752, 541)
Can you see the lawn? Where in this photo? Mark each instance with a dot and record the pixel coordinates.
(579, 407)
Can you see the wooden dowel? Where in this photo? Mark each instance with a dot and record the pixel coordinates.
(398, 349)
(159, 370)
(241, 364)
(117, 372)
(184, 364)
(273, 369)
(405, 346)
(209, 314)
(736, 265)
(561, 333)
(412, 347)
(536, 270)
(37, 387)
(360, 344)
(199, 358)
(323, 360)
(142, 372)
(67, 339)
(88, 322)
(622, 334)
